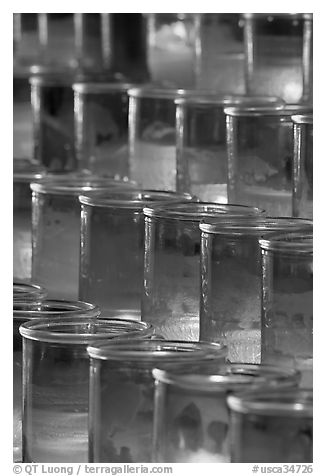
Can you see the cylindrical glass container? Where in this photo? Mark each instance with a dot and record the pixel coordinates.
(152, 137)
(56, 383)
(88, 41)
(260, 156)
(230, 295)
(191, 418)
(58, 38)
(303, 165)
(24, 172)
(171, 48)
(122, 394)
(287, 302)
(112, 246)
(171, 289)
(25, 291)
(278, 50)
(56, 229)
(201, 152)
(26, 36)
(53, 121)
(220, 52)
(271, 426)
(101, 127)
(22, 114)
(26, 310)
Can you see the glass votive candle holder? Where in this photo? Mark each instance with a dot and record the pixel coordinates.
(122, 394)
(260, 156)
(88, 41)
(303, 165)
(287, 302)
(171, 47)
(278, 54)
(25, 291)
(271, 426)
(112, 246)
(152, 136)
(22, 114)
(101, 127)
(230, 281)
(201, 151)
(191, 418)
(56, 229)
(56, 383)
(220, 52)
(171, 291)
(27, 39)
(25, 171)
(27, 310)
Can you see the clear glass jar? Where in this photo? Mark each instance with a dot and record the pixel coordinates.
(56, 383)
(278, 50)
(25, 310)
(88, 41)
(303, 165)
(101, 127)
(191, 419)
(53, 121)
(56, 229)
(170, 298)
(201, 153)
(112, 246)
(271, 426)
(121, 403)
(171, 48)
(287, 302)
(152, 136)
(24, 172)
(22, 115)
(26, 36)
(25, 291)
(230, 281)
(220, 53)
(260, 156)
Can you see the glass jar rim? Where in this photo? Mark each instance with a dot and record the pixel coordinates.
(198, 210)
(229, 376)
(295, 242)
(158, 350)
(230, 100)
(157, 92)
(272, 110)
(255, 225)
(65, 329)
(22, 291)
(294, 402)
(27, 170)
(134, 198)
(102, 87)
(306, 16)
(302, 118)
(54, 307)
(78, 185)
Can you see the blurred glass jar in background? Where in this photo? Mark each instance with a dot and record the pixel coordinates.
(171, 292)
(56, 229)
(112, 246)
(201, 151)
(27, 32)
(191, 418)
(24, 291)
(121, 405)
(271, 426)
(56, 382)
(230, 297)
(278, 49)
(303, 165)
(101, 127)
(219, 50)
(260, 156)
(22, 115)
(33, 305)
(287, 302)
(171, 48)
(25, 171)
